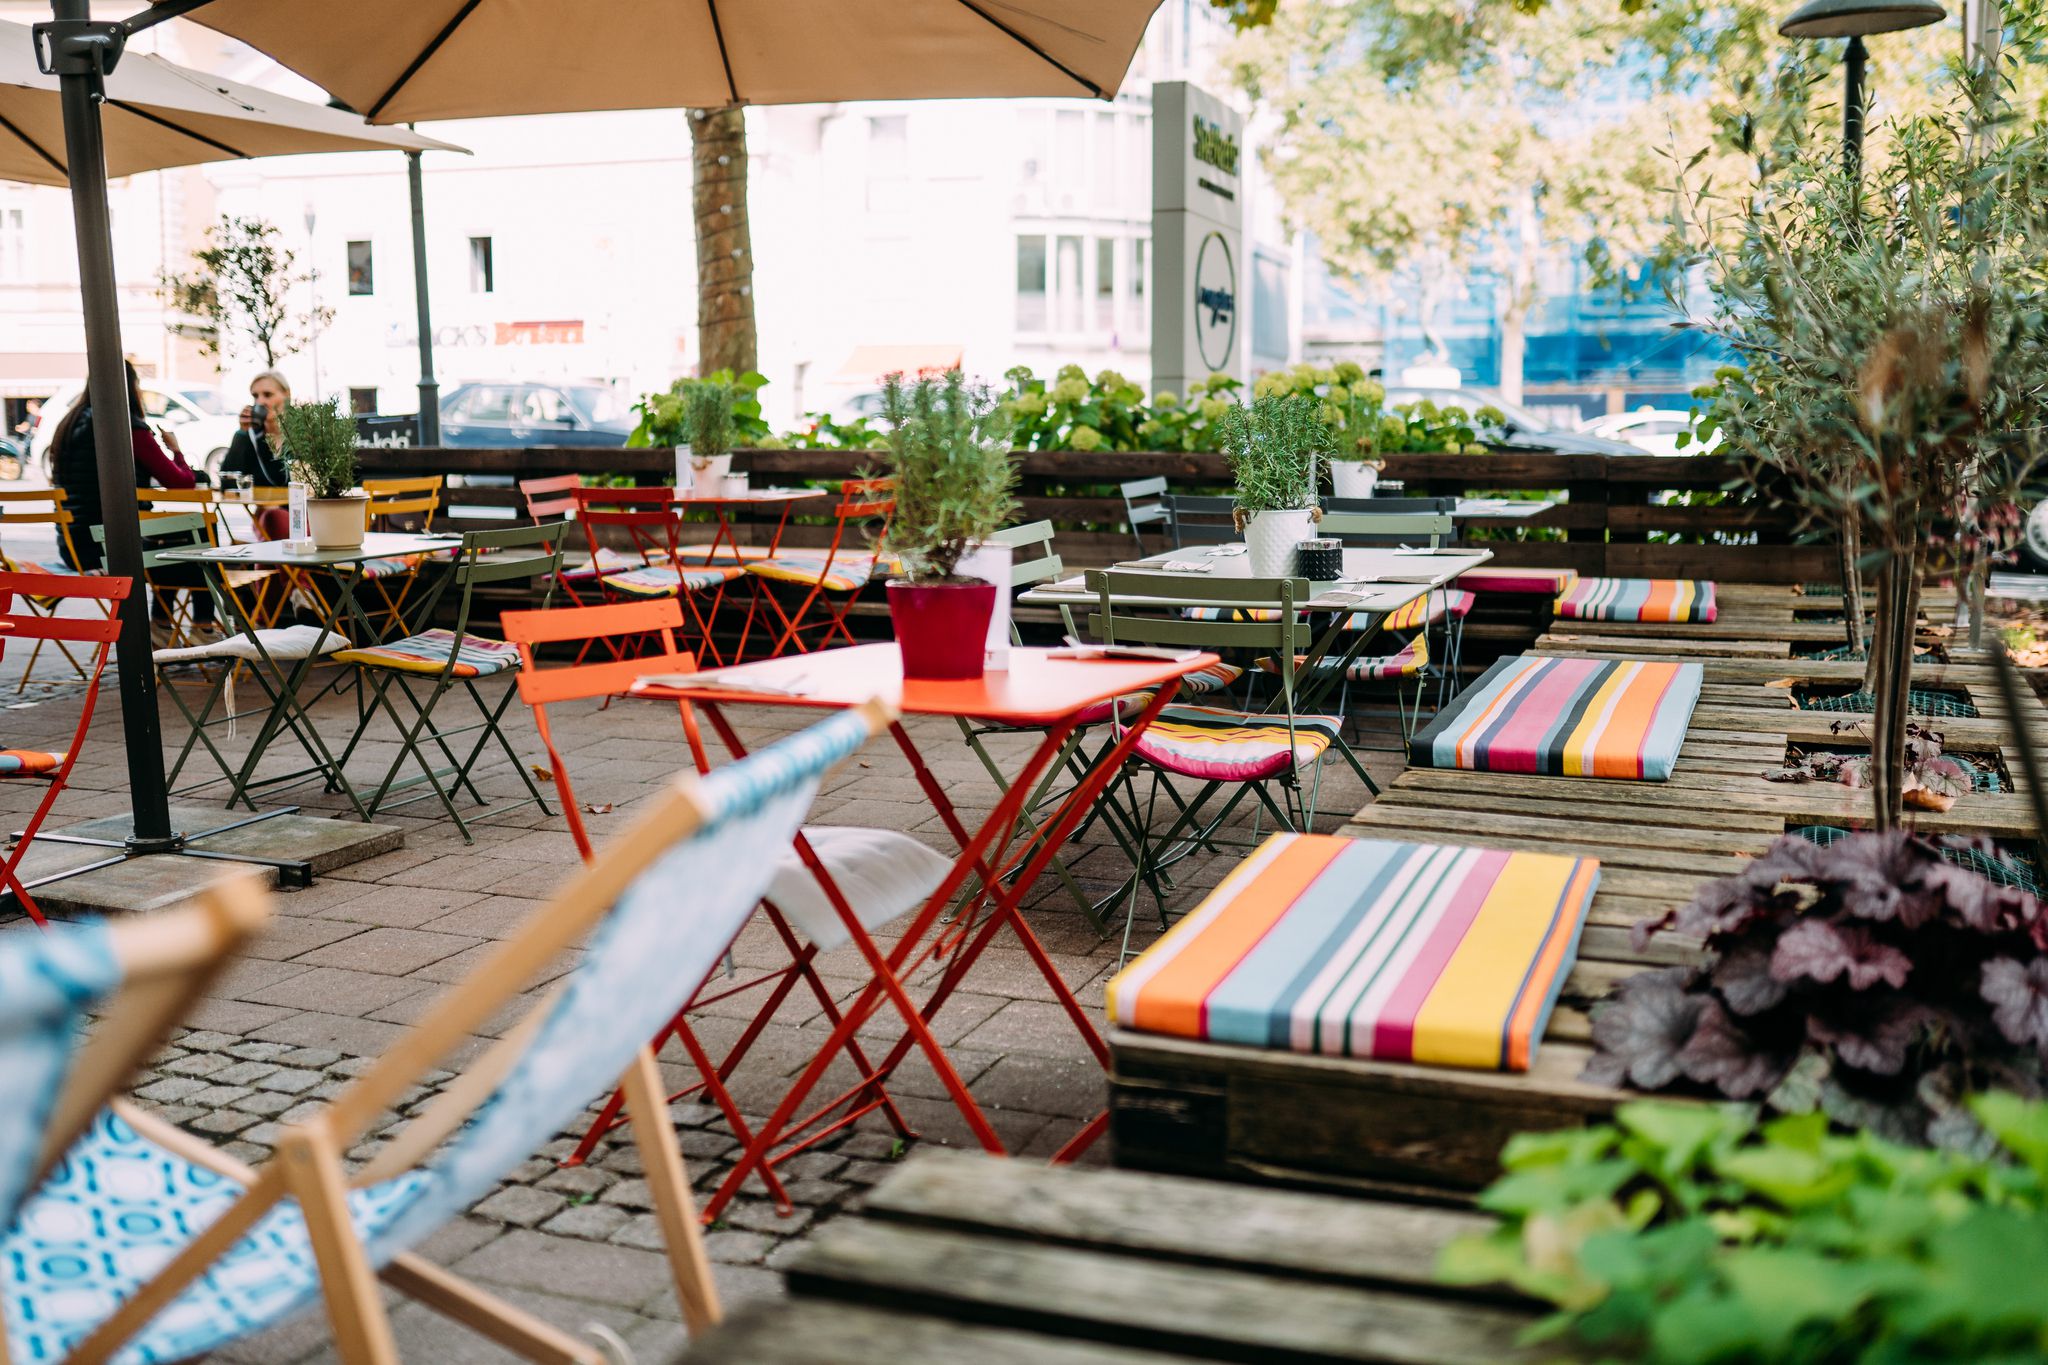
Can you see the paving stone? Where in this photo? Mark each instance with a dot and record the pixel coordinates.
(171, 1089)
(643, 1231)
(738, 1248)
(291, 1080)
(242, 1073)
(222, 1121)
(203, 1040)
(805, 1165)
(592, 1222)
(814, 1193)
(759, 1215)
(862, 1174)
(257, 1052)
(248, 1153)
(319, 1058)
(264, 1104)
(392, 952)
(578, 1180)
(631, 1194)
(624, 1160)
(218, 1096)
(585, 1270)
(869, 1147)
(198, 1064)
(703, 1144)
(521, 1205)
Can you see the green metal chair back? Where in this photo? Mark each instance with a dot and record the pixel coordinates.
(486, 557)
(1118, 620)
(184, 531)
(1033, 560)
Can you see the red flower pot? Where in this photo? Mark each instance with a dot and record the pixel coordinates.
(942, 628)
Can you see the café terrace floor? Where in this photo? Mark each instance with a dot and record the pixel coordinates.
(353, 959)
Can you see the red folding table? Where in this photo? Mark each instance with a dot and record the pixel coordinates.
(1037, 692)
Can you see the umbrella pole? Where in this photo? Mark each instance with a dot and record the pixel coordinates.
(430, 389)
(79, 53)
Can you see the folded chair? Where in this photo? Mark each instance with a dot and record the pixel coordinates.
(655, 566)
(1250, 753)
(140, 974)
(884, 874)
(828, 583)
(397, 504)
(39, 507)
(48, 593)
(446, 661)
(202, 1252)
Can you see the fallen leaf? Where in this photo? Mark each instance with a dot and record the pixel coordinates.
(542, 774)
(605, 809)
(1787, 683)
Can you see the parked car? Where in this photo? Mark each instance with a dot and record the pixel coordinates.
(1652, 430)
(12, 454)
(1524, 429)
(196, 414)
(522, 414)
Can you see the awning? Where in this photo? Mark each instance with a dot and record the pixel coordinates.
(868, 364)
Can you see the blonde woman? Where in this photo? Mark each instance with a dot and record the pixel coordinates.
(257, 452)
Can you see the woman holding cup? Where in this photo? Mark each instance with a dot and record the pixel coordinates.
(257, 451)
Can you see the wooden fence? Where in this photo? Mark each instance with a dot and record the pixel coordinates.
(1618, 515)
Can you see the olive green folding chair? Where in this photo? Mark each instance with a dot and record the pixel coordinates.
(455, 661)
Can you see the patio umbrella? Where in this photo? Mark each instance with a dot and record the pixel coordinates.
(404, 60)
(73, 112)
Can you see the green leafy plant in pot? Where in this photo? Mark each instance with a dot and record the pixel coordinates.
(1272, 444)
(320, 448)
(949, 453)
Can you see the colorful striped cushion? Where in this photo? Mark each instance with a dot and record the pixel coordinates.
(1638, 599)
(847, 572)
(606, 560)
(1528, 582)
(388, 568)
(28, 763)
(1411, 659)
(658, 580)
(1215, 744)
(428, 652)
(1425, 610)
(1565, 718)
(1365, 948)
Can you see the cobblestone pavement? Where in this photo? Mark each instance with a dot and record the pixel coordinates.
(352, 960)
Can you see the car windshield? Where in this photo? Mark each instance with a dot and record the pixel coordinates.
(207, 401)
(597, 403)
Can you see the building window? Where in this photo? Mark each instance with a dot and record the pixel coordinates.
(1141, 286)
(1031, 290)
(1105, 284)
(362, 278)
(1066, 285)
(362, 402)
(482, 280)
(13, 244)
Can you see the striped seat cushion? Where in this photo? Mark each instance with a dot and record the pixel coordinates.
(658, 580)
(1406, 662)
(1366, 948)
(1425, 610)
(1215, 744)
(389, 568)
(605, 561)
(1565, 718)
(1637, 599)
(428, 652)
(1522, 582)
(28, 763)
(846, 573)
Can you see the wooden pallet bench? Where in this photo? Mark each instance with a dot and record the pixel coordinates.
(1206, 1109)
(965, 1258)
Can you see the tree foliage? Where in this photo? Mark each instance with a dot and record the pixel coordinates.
(240, 287)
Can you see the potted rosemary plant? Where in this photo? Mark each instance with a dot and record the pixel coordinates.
(320, 447)
(1272, 444)
(707, 416)
(949, 453)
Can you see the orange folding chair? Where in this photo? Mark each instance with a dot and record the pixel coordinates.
(894, 872)
(175, 600)
(46, 623)
(40, 507)
(397, 504)
(828, 583)
(651, 524)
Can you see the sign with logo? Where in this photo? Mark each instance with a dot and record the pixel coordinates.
(399, 429)
(1197, 236)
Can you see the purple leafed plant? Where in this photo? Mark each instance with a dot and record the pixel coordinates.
(1931, 779)
(1873, 979)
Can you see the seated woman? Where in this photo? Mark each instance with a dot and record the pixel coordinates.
(257, 451)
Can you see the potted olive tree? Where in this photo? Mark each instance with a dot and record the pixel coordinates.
(1272, 444)
(949, 453)
(320, 447)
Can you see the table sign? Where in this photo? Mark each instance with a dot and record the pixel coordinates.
(991, 562)
(301, 529)
(686, 477)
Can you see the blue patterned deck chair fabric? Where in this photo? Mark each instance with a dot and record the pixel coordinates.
(119, 1206)
(48, 981)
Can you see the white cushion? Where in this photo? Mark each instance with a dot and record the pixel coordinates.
(284, 642)
(883, 874)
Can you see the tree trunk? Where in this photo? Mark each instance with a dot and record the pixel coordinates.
(726, 339)
(1521, 297)
(1514, 345)
(1852, 584)
(1891, 655)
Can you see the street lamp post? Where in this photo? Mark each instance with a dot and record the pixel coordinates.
(1857, 20)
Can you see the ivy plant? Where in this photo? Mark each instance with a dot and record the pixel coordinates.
(1682, 1234)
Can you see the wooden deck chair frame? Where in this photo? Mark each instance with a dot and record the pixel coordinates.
(309, 1163)
(58, 517)
(98, 631)
(860, 501)
(1145, 505)
(388, 500)
(480, 559)
(541, 688)
(653, 526)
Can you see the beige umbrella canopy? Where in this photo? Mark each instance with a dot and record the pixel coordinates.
(159, 115)
(401, 60)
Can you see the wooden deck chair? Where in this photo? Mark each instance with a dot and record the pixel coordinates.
(219, 1251)
(39, 507)
(140, 974)
(393, 505)
(828, 583)
(885, 873)
(100, 628)
(654, 566)
(447, 661)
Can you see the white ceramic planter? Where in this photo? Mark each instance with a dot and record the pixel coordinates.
(337, 523)
(1353, 478)
(710, 472)
(1271, 536)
